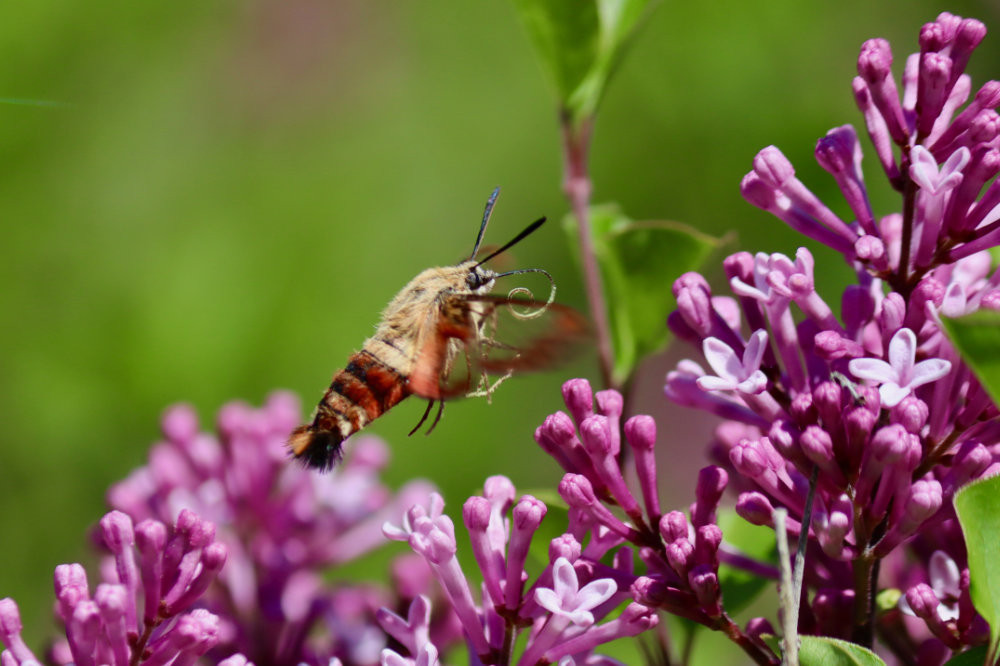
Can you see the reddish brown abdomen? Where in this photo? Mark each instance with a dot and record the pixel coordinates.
(358, 394)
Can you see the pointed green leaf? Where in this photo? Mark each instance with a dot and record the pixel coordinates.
(579, 43)
(978, 507)
(822, 651)
(639, 261)
(977, 338)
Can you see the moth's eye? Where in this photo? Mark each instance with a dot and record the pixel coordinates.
(474, 280)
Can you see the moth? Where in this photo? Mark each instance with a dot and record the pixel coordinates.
(438, 340)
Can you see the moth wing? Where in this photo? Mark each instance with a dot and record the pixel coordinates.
(474, 336)
(444, 334)
(520, 334)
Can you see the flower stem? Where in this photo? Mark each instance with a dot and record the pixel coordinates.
(577, 188)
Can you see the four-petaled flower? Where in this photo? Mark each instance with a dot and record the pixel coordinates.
(901, 374)
(567, 599)
(734, 374)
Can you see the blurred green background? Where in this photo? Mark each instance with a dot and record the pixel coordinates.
(203, 201)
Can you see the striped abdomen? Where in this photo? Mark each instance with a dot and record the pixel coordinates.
(358, 394)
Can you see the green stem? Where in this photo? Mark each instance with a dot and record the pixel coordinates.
(577, 187)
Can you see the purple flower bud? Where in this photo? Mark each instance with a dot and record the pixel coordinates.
(802, 409)
(831, 346)
(579, 398)
(970, 462)
(476, 513)
(874, 66)
(640, 432)
(10, 632)
(748, 460)
(705, 584)
(827, 397)
(499, 490)
(708, 538)
(773, 167)
(180, 424)
(911, 413)
(71, 588)
(922, 601)
(755, 508)
(694, 302)
(673, 526)
(859, 422)
(566, 546)
(577, 491)
(648, 591)
(711, 484)
(598, 440)
(213, 557)
(83, 632)
(527, 516)
(892, 315)
(680, 555)
(120, 537)
(758, 627)
(113, 602)
(194, 634)
(890, 444)
(872, 251)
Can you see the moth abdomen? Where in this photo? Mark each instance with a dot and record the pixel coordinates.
(358, 394)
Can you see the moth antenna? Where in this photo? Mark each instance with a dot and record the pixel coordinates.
(530, 229)
(516, 291)
(486, 219)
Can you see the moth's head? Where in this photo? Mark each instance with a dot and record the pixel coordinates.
(479, 278)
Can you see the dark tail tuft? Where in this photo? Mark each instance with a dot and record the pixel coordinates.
(318, 449)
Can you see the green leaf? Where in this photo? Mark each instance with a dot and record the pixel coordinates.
(978, 507)
(974, 657)
(579, 43)
(740, 587)
(977, 338)
(639, 261)
(822, 651)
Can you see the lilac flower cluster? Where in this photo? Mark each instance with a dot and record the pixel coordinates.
(283, 527)
(876, 406)
(561, 610)
(139, 613)
(680, 555)
(276, 527)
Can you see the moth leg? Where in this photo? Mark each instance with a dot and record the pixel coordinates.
(490, 388)
(430, 403)
(437, 418)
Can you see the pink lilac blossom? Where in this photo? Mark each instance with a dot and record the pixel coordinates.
(876, 403)
(561, 611)
(283, 527)
(680, 554)
(141, 612)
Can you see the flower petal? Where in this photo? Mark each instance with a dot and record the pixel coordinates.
(710, 383)
(564, 581)
(891, 394)
(902, 352)
(754, 352)
(722, 359)
(929, 370)
(873, 369)
(595, 593)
